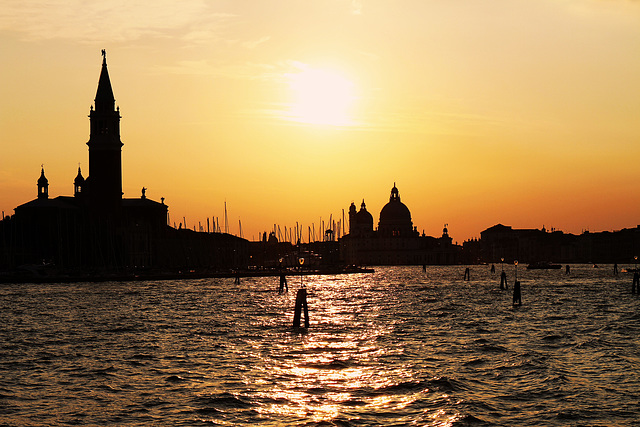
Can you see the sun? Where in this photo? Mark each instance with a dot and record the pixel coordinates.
(321, 97)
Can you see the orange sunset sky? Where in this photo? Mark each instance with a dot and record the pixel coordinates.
(525, 113)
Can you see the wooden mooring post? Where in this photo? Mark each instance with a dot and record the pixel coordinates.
(503, 281)
(301, 303)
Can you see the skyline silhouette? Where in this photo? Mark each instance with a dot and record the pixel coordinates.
(526, 117)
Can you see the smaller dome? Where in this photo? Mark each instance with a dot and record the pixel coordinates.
(361, 222)
(363, 216)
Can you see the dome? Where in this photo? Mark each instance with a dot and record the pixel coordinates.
(395, 210)
(395, 217)
(360, 222)
(363, 216)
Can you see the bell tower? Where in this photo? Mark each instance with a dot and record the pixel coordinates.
(43, 186)
(104, 183)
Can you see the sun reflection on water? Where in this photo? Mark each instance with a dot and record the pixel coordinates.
(336, 365)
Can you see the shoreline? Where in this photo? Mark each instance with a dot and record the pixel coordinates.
(17, 278)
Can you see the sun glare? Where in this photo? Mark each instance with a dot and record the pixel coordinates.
(321, 97)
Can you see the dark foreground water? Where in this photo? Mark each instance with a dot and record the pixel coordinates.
(397, 347)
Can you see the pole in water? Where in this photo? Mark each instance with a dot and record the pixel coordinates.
(237, 281)
(424, 267)
(301, 261)
(467, 274)
(567, 269)
(615, 269)
(283, 284)
(493, 268)
(503, 281)
(301, 303)
(517, 296)
(636, 277)
(284, 287)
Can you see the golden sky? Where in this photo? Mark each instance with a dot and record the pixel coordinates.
(520, 112)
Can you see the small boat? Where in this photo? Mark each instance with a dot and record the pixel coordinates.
(543, 265)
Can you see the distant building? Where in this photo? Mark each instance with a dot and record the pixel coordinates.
(533, 245)
(98, 229)
(396, 240)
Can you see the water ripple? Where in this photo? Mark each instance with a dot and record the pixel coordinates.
(397, 347)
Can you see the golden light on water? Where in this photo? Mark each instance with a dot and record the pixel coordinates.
(444, 419)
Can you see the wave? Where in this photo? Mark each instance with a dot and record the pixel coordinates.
(223, 401)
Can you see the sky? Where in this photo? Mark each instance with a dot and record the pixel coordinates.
(525, 113)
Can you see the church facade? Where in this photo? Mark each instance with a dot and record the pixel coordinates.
(97, 229)
(396, 241)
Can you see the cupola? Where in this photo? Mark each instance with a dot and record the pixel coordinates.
(43, 186)
(78, 183)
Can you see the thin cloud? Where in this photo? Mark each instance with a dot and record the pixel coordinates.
(205, 67)
(356, 7)
(117, 20)
(252, 44)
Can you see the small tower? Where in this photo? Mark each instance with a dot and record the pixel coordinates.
(445, 240)
(78, 183)
(352, 218)
(104, 183)
(43, 186)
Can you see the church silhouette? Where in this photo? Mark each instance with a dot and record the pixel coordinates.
(396, 241)
(97, 229)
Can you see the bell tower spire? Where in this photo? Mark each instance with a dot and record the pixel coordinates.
(104, 95)
(104, 183)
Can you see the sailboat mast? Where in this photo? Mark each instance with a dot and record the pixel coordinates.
(226, 219)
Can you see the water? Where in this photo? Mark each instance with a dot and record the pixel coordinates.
(397, 347)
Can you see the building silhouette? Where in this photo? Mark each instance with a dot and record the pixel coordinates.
(97, 229)
(541, 245)
(396, 241)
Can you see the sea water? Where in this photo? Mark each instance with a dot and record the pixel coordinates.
(400, 346)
